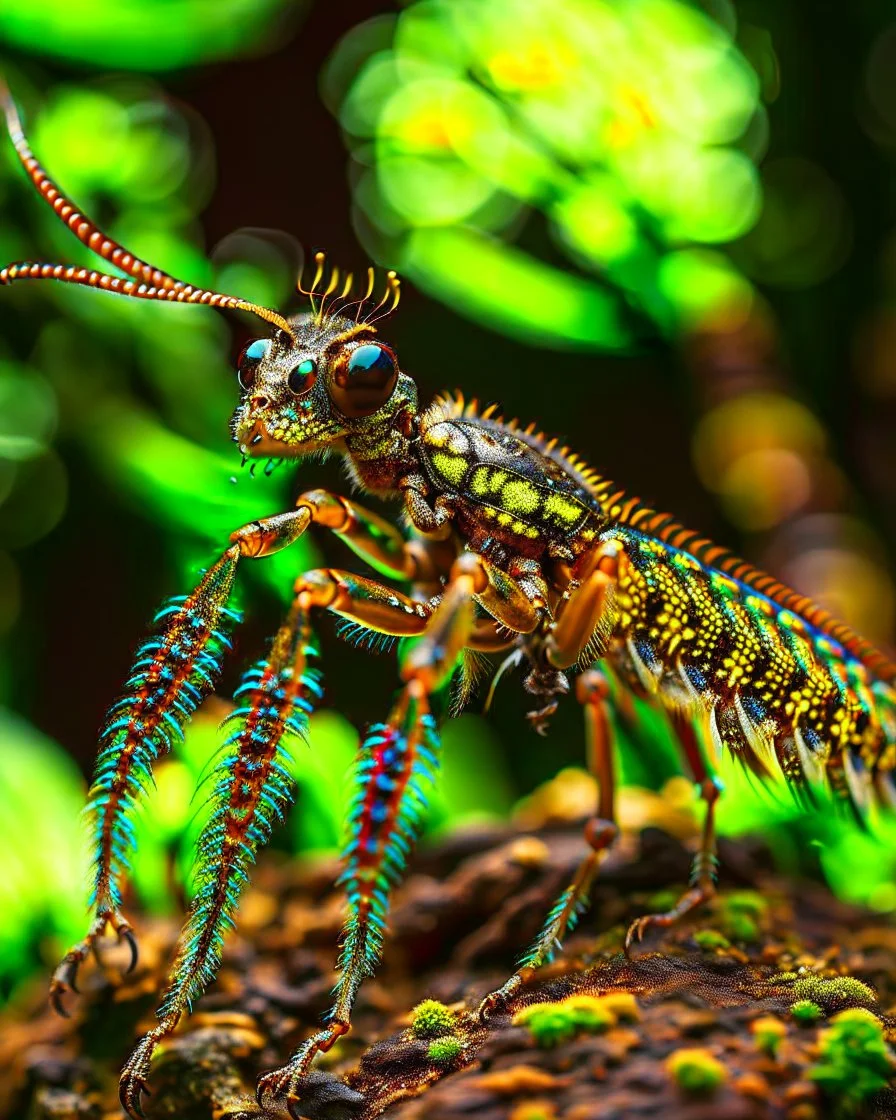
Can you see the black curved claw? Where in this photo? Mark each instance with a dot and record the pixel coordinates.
(127, 934)
(635, 933)
(270, 1083)
(57, 994)
(131, 1090)
(67, 973)
(65, 980)
(490, 1005)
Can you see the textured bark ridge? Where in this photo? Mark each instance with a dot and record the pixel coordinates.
(701, 1024)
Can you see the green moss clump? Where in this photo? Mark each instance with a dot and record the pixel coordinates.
(746, 902)
(696, 1072)
(741, 927)
(768, 1034)
(854, 1061)
(552, 1024)
(709, 939)
(430, 1019)
(445, 1050)
(806, 1012)
(741, 913)
(590, 1014)
(833, 993)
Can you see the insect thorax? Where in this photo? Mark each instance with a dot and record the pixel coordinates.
(507, 491)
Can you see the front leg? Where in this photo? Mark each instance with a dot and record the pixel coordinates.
(174, 670)
(173, 673)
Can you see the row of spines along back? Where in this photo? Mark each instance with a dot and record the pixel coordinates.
(622, 509)
(634, 514)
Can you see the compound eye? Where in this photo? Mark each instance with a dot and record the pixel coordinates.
(248, 362)
(363, 379)
(302, 377)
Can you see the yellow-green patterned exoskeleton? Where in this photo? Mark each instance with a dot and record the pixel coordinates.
(509, 546)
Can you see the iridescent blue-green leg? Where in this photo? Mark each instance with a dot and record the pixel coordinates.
(252, 790)
(395, 766)
(704, 870)
(592, 692)
(173, 672)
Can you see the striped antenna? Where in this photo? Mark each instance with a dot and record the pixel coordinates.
(147, 281)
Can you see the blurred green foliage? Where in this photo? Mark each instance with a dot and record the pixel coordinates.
(125, 154)
(141, 35)
(625, 132)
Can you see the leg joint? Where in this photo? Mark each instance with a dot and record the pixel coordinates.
(592, 687)
(327, 509)
(600, 834)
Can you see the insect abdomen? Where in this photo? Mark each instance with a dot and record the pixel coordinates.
(776, 690)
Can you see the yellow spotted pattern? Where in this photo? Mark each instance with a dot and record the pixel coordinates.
(451, 467)
(679, 616)
(504, 499)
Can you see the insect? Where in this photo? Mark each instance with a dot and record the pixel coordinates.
(509, 546)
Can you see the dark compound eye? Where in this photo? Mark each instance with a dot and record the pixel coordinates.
(302, 377)
(248, 361)
(369, 364)
(364, 379)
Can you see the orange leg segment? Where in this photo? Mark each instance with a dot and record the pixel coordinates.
(592, 692)
(705, 866)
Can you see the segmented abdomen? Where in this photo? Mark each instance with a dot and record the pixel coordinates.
(777, 690)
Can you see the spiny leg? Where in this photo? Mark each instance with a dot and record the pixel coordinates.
(592, 692)
(174, 670)
(582, 627)
(396, 763)
(705, 866)
(252, 790)
(173, 673)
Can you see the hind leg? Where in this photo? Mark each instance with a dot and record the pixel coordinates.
(592, 692)
(705, 866)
